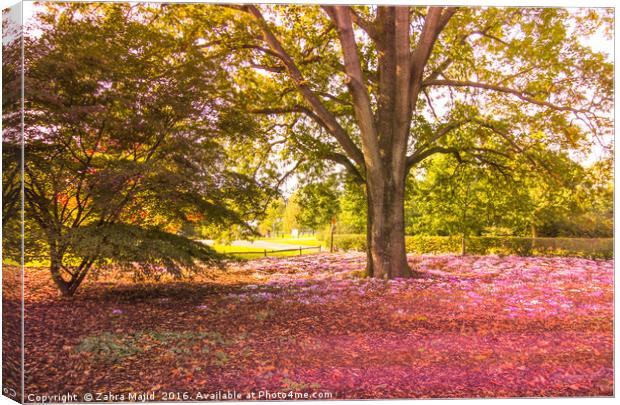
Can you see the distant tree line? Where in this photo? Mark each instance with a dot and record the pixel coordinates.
(446, 197)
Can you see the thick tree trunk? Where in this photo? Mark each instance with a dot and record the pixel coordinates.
(386, 253)
(67, 287)
(63, 286)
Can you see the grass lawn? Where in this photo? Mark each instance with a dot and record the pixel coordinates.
(249, 253)
(304, 241)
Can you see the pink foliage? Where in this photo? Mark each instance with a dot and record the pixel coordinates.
(470, 327)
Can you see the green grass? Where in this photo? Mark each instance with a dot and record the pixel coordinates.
(230, 248)
(249, 253)
(294, 242)
(305, 241)
(111, 348)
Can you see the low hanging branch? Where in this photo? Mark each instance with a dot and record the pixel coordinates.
(519, 94)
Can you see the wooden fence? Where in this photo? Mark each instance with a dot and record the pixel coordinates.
(268, 252)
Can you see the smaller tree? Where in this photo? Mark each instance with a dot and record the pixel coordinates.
(272, 223)
(586, 206)
(123, 143)
(353, 208)
(545, 194)
(453, 199)
(318, 203)
(597, 200)
(291, 211)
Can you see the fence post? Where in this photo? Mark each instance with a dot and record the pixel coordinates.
(265, 252)
(300, 251)
(331, 235)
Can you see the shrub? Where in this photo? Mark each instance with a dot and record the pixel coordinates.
(599, 248)
(351, 241)
(422, 244)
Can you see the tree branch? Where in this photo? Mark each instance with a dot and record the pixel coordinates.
(519, 94)
(341, 17)
(281, 110)
(422, 154)
(485, 33)
(344, 161)
(418, 157)
(288, 173)
(333, 156)
(368, 27)
(435, 21)
(293, 109)
(327, 119)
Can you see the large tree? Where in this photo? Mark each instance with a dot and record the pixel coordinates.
(379, 89)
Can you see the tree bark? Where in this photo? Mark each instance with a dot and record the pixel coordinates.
(56, 255)
(67, 287)
(386, 252)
